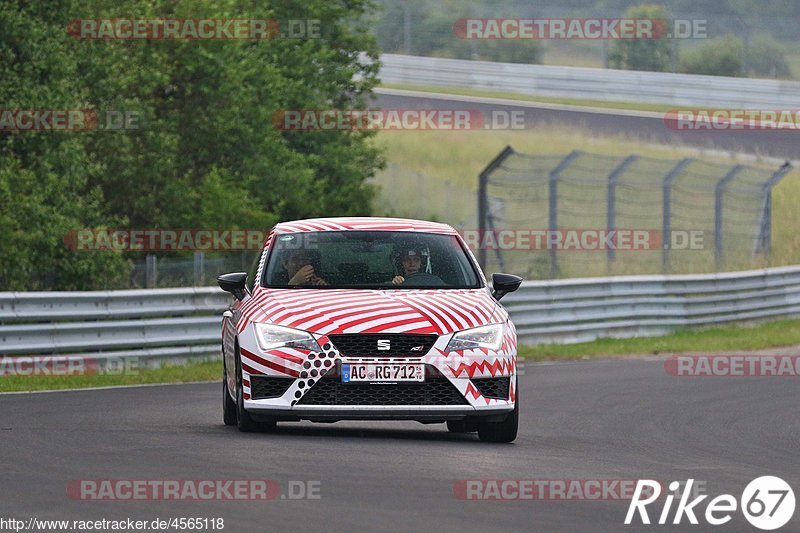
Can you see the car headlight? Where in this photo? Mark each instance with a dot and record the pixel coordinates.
(271, 337)
(490, 337)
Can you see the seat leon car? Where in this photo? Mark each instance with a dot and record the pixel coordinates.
(369, 319)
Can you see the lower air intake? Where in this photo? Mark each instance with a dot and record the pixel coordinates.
(331, 391)
(493, 388)
(263, 387)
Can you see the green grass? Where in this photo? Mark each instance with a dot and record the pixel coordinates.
(633, 106)
(192, 372)
(729, 339)
(459, 156)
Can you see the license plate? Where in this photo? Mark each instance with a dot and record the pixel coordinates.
(382, 372)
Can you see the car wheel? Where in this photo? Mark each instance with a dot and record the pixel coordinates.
(505, 431)
(462, 426)
(228, 405)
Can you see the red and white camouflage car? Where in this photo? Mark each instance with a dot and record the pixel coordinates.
(369, 319)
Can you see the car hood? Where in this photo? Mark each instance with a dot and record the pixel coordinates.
(333, 311)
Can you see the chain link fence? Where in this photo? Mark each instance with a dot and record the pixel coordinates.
(585, 214)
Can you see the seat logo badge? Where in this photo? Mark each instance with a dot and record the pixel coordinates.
(384, 344)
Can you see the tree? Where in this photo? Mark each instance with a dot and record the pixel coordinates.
(717, 57)
(207, 153)
(765, 57)
(643, 54)
(44, 176)
(432, 33)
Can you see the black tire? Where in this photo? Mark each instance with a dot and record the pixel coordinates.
(505, 431)
(228, 405)
(462, 426)
(244, 420)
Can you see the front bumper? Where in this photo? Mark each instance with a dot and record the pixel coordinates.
(325, 413)
(311, 391)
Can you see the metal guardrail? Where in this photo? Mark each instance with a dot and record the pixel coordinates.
(591, 83)
(167, 324)
(577, 310)
(179, 324)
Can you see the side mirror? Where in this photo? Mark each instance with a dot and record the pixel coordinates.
(504, 283)
(233, 283)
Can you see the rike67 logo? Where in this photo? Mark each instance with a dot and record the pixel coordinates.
(767, 503)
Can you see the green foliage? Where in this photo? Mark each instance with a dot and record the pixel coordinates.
(432, 33)
(766, 58)
(44, 190)
(717, 57)
(643, 54)
(206, 153)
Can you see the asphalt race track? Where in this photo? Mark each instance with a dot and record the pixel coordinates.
(594, 420)
(645, 126)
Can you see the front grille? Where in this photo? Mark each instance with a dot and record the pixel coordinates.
(331, 391)
(399, 344)
(262, 387)
(493, 388)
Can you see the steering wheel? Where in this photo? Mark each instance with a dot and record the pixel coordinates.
(423, 279)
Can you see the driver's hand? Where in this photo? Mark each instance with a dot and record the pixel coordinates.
(304, 275)
(318, 281)
(397, 280)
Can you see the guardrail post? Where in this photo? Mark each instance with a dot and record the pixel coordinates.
(483, 200)
(612, 199)
(552, 212)
(763, 241)
(718, 192)
(150, 272)
(666, 214)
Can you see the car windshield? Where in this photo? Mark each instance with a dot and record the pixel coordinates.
(369, 259)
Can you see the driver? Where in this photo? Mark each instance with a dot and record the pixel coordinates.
(299, 267)
(410, 260)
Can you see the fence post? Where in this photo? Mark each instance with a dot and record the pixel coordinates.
(497, 252)
(611, 222)
(666, 214)
(483, 199)
(718, 192)
(763, 241)
(552, 211)
(199, 268)
(151, 272)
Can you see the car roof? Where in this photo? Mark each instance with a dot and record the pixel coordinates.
(363, 224)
